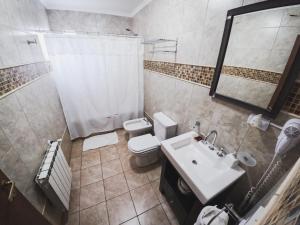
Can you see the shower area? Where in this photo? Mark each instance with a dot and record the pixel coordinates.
(99, 79)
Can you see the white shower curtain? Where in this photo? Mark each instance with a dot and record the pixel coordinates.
(99, 80)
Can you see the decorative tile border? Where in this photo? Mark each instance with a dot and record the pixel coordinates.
(204, 75)
(292, 104)
(261, 75)
(199, 74)
(14, 77)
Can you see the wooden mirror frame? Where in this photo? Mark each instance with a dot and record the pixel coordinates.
(291, 71)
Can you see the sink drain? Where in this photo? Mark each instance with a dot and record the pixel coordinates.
(194, 162)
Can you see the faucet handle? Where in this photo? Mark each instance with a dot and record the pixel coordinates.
(211, 147)
(222, 152)
(222, 149)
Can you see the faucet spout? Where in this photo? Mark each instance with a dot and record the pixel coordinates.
(213, 132)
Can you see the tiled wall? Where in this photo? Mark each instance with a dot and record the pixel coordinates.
(14, 77)
(18, 18)
(60, 20)
(203, 75)
(29, 117)
(292, 104)
(260, 75)
(198, 74)
(30, 110)
(263, 40)
(198, 26)
(239, 88)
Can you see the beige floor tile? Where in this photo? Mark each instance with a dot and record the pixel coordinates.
(75, 163)
(91, 151)
(133, 221)
(75, 179)
(96, 215)
(74, 200)
(154, 173)
(170, 214)
(123, 141)
(123, 149)
(154, 216)
(120, 209)
(136, 178)
(115, 186)
(73, 219)
(144, 198)
(111, 168)
(76, 150)
(90, 158)
(155, 186)
(123, 136)
(128, 162)
(109, 153)
(91, 175)
(77, 143)
(91, 195)
(121, 132)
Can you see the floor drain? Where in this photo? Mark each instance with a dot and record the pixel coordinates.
(194, 162)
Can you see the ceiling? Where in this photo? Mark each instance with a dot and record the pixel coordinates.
(126, 8)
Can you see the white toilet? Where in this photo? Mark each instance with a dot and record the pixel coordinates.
(146, 147)
(137, 127)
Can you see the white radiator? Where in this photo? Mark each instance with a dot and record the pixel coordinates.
(54, 176)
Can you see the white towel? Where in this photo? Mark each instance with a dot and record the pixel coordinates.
(208, 212)
(100, 141)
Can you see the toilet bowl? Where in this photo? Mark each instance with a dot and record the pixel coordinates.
(146, 147)
(137, 127)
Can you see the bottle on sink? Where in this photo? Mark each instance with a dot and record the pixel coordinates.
(200, 137)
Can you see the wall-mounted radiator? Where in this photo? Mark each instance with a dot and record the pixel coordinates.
(54, 176)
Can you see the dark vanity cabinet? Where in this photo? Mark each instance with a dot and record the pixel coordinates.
(185, 207)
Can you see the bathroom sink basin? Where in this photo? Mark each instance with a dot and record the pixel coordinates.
(206, 173)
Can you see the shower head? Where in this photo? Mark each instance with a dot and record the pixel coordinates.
(289, 137)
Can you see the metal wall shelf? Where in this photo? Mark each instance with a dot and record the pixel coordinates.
(155, 41)
(162, 49)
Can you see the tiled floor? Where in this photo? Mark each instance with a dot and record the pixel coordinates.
(108, 189)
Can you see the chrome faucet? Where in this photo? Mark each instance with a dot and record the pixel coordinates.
(211, 133)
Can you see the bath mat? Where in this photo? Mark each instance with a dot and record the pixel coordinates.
(100, 141)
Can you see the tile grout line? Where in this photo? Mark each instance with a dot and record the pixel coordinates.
(130, 194)
(127, 187)
(159, 203)
(80, 186)
(105, 199)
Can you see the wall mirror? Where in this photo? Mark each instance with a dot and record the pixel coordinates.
(259, 58)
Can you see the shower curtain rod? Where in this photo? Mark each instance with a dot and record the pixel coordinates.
(85, 33)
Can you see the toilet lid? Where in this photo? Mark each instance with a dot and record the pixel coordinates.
(143, 143)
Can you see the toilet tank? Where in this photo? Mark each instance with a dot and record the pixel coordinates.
(164, 127)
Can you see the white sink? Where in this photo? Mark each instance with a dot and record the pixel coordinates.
(206, 173)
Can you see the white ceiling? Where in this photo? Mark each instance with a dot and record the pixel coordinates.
(113, 7)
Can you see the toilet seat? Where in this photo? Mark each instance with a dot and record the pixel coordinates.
(143, 144)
